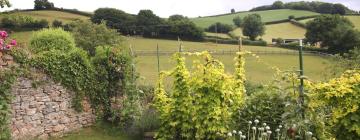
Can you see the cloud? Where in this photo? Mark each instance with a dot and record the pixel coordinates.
(165, 8)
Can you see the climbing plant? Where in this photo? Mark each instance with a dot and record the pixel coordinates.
(339, 98)
(201, 103)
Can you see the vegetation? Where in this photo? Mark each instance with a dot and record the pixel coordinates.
(115, 19)
(22, 22)
(57, 23)
(320, 7)
(237, 21)
(4, 3)
(338, 35)
(49, 15)
(43, 4)
(220, 28)
(253, 26)
(207, 95)
(88, 36)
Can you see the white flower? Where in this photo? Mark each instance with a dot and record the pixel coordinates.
(240, 133)
(256, 121)
(269, 132)
(309, 133)
(250, 122)
(277, 130)
(253, 128)
(261, 128)
(229, 134)
(280, 126)
(243, 137)
(234, 131)
(267, 127)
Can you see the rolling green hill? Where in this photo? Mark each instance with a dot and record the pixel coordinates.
(267, 16)
(282, 30)
(50, 15)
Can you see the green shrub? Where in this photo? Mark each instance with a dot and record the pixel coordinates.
(266, 105)
(52, 39)
(19, 22)
(88, 36)
(72, 69)
(57, 23)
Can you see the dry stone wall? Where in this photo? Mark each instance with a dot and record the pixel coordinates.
(45, 110)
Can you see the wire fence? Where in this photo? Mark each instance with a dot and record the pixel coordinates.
(228, 52)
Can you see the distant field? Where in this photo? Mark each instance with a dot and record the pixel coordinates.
(52, 15)
(355, 20)
(282, 30)
(267, 16)
(256, 71)
(221, 35)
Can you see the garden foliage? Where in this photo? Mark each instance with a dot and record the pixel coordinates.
(203, 103)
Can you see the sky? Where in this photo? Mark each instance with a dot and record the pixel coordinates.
(165, 8)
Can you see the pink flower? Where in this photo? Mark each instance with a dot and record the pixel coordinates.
(1, 42)
(3, 34)
(13, 42)
(8, 47)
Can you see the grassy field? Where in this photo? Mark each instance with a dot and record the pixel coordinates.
(258, 72)
(355, 20)
(282, 30)
(270, 15)
(221, 35)
(52, 15)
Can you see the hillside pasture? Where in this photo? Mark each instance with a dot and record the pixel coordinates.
(51, 15)
(257, 72)
(220, 35)
(280, 30)
(267, 16)
(354, 19)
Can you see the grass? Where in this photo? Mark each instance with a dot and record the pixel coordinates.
(100, 131)
(267, 16)
(221, 35)
(52, 15)
(258, 72)
(281, 30)
(355, 20)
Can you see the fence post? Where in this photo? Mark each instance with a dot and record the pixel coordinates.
(158, 60)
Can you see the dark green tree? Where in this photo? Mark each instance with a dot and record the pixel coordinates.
(278, 5)
(43, 4)
(116, 19)
(325, 8)
(4, 3)
(183, 27)
(220, 28)
(147, 22)
(339, 9)
(253, 26)
(334, 32)
(237, 21)
(232, 10)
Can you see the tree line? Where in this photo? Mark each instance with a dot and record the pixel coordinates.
(147, 24)
(315, 6)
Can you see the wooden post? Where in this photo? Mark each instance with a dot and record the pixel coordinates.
(240, 44)
(158, 59)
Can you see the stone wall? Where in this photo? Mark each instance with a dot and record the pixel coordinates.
(45, 110)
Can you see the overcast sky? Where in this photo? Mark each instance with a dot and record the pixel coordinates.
(165, 8)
